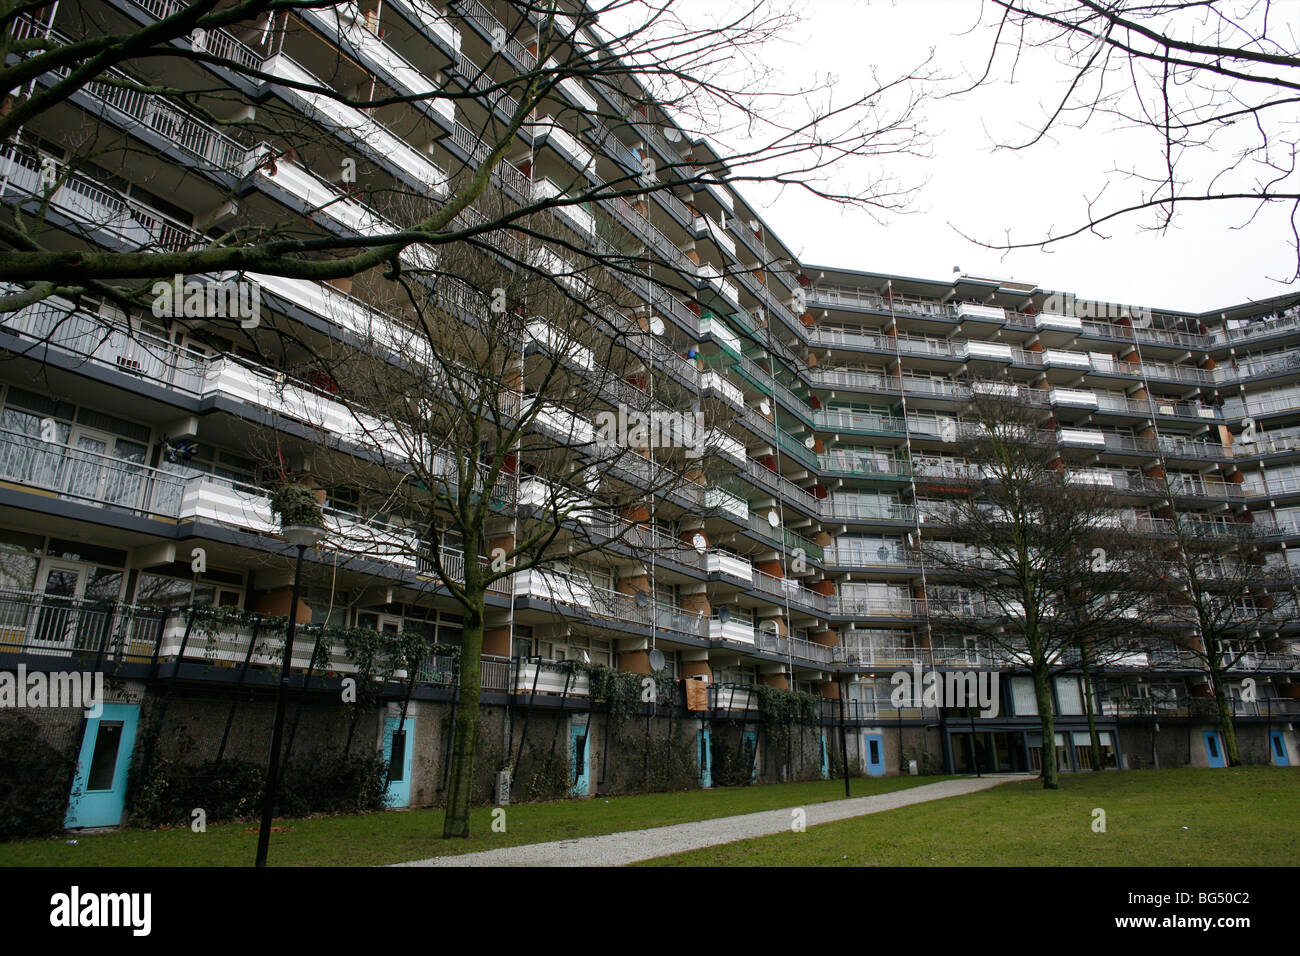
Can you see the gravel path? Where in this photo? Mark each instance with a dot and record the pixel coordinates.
(618, 849)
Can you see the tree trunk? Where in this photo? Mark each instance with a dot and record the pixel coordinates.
(1047, 720)
(465, 731)
(1094, 739)
(1226, 724)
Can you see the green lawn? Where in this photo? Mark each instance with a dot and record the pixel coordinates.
(376, 838)
(1243, 816)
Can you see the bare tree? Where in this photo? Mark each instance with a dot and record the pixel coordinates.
(1046, 574)
(520, 432)
(1219, 589)
(1210, 87)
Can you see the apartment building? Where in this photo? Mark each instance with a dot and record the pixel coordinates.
(133, 483)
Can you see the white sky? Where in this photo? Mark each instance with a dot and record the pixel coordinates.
(1200, 264)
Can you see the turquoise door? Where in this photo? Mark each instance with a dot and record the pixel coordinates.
(1277, 744)
(579, 761)
(99, 790)
(750, 750)
(875, 747)
(1214, 749)
(397, 757)
(704, 756)
(826, 761)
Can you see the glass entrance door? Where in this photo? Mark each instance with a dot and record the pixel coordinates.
(55, 622)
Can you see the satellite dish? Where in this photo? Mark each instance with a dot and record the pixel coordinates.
(765, 407)
(699, 543)
(672, 134)
(810, 441)
(642, 598)
(768, 626)
(773, 518)
(724, 614)
(586, 658)
(656, 659)
(656, 325)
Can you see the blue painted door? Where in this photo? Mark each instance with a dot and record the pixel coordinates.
(704, 757)
(874, 744)
(1214, 749)
(1277, 744)
(579, 761)
(826, 762)
(99, 790)
(397, 757)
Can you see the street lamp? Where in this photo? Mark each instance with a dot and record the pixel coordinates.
(302, 537)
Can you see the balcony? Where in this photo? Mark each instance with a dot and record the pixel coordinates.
(712, 327)
(344, 23)
(57, 324)
(1081, 437)
(77, 474)
(319, 197)
(706, 225)
(723, 444)
(884, 556)
(362, 130)
(716, 383)
(574, 216)
(795, 648)
(548, 131)
(94, 207)
(788, 589)
(1059, 358)
(731, 631)
(720, 285)
(1073, 398)
(218, 43)
(435, 24)
(1055, 322)
(982, 313)
(134, 110)
(536, 676)
(717, 500)
(733, 566)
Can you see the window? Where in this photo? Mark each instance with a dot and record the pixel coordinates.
(103, 762)
(397, 758)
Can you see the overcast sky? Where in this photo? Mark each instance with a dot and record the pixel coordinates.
(1200, 264)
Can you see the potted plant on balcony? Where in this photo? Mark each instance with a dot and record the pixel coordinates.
(299, 512)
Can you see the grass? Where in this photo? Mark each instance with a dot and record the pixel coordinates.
(1242, 816)
(377, 838)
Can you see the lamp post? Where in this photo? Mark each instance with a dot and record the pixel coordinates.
(301, 537)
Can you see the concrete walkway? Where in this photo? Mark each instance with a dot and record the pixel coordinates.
(629, 846)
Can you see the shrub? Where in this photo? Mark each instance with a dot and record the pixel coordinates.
(34, 777)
